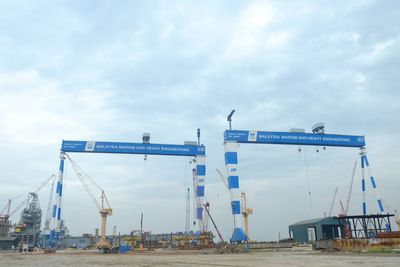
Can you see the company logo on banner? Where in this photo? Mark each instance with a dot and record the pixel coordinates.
(90, 146)
(252, 136)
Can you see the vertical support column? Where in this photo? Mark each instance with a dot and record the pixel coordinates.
(365, 165)
(55, 221)
(373, 182)
(376, 190)
(364, 204)
(231, 163)
(200, 186)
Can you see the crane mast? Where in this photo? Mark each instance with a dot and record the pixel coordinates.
(245, 212)
(104, 212)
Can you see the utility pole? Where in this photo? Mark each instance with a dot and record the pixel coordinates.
(198, 136)
(229, 119)
(141, 228)
(187, 225)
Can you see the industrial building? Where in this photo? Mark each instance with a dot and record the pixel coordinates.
(315, 229)
(342, 227)
(8, 243)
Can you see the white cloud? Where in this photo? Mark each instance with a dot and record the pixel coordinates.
(379, 50)
(36, 110)
(249, 31)
(278, 39)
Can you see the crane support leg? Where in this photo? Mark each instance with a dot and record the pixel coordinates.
(56, 212)
(364, 203)
(200, 174)
(231, 163)
(365, 165)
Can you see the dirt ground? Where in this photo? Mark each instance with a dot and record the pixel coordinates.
(201, 258)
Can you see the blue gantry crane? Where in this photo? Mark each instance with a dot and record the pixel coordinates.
(146, 148)
(318, 137)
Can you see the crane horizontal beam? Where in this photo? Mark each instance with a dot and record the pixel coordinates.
(294, 138)
(132, 148)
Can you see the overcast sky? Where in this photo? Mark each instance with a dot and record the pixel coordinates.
(111, 70)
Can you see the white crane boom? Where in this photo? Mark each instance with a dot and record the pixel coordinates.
(333, 202)
(350, 189)
(48, 211)
(80, 173)
(104, 211)
(223, 179)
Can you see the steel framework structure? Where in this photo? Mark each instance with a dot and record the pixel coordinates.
(367, 226)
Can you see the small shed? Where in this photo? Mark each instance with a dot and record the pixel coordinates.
(8, 243)
(316, 229)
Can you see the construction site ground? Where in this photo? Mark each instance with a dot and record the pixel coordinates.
(281, 257)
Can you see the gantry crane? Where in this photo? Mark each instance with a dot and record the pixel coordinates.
(245, 210)
(104, 210)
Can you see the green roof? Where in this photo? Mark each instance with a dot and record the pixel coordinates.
(313, 221)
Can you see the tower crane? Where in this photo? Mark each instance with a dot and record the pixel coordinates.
(7, 212)
(10, 212)
(104, 208)
(245, 210)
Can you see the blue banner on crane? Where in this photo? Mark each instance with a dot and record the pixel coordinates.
(294, 138)
(132, 148)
